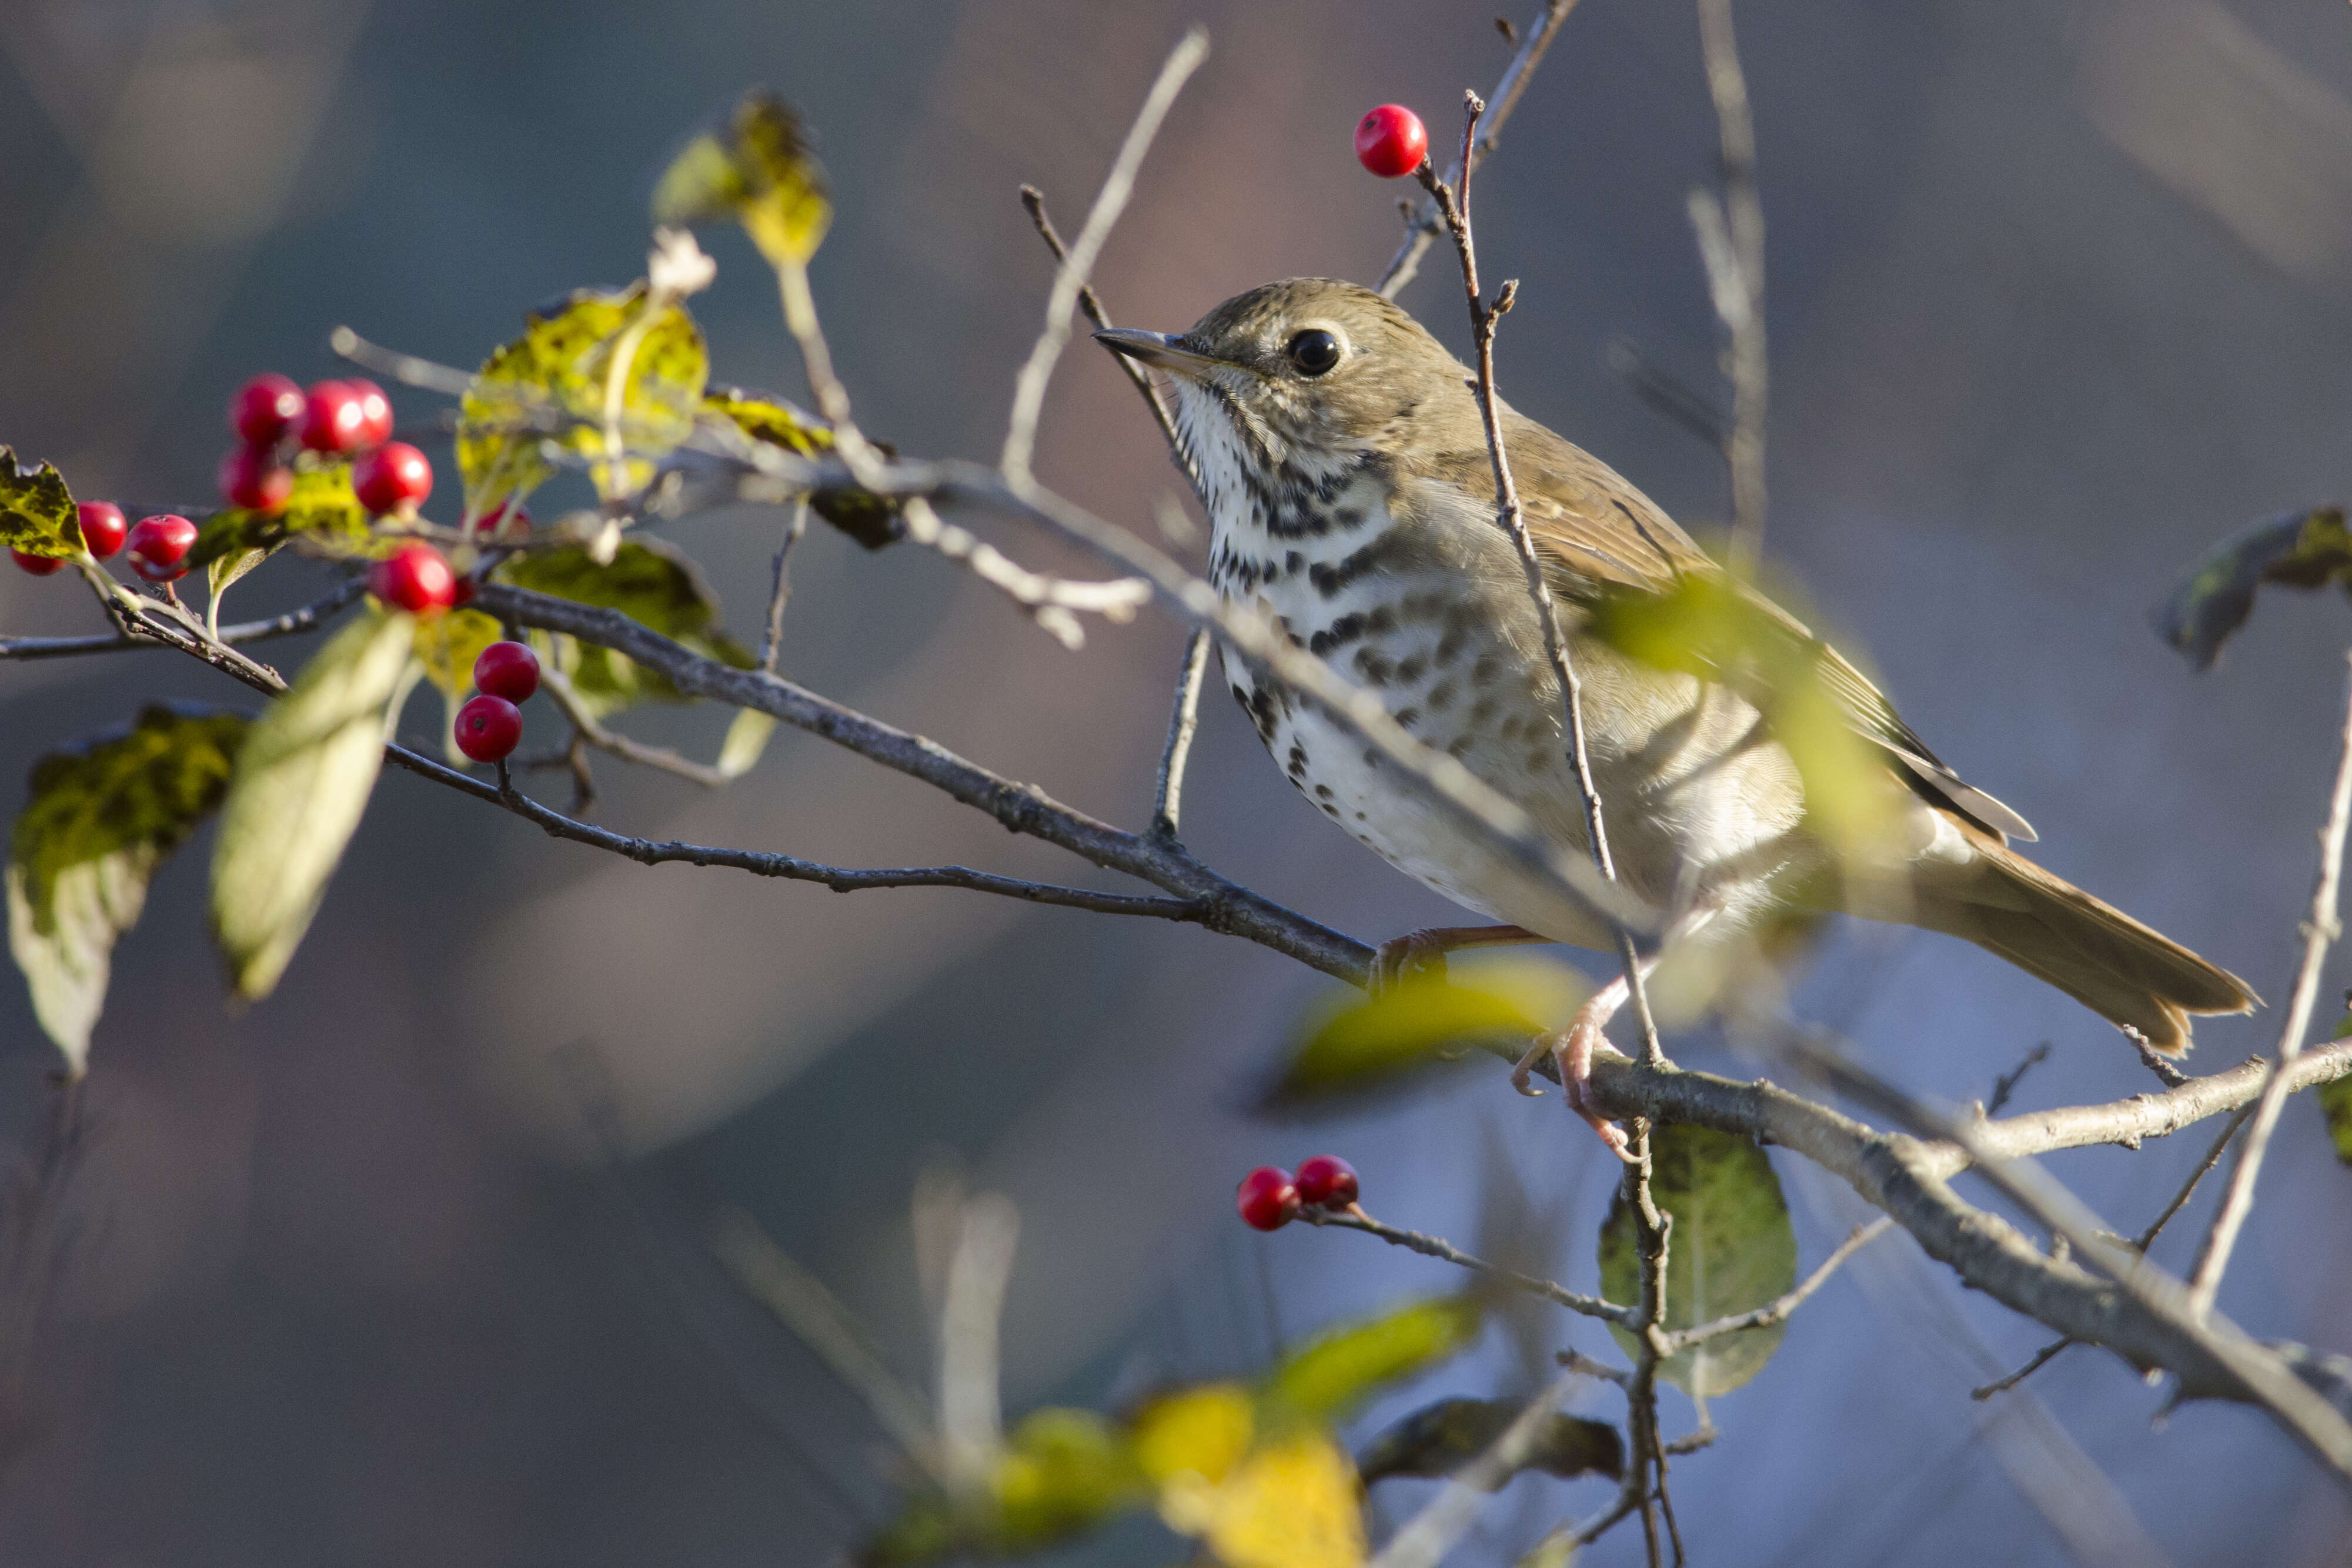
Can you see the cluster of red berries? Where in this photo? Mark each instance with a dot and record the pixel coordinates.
(1390, 141)
(159, 545)
(1270, 1198)
(336, 419)
(489, 725)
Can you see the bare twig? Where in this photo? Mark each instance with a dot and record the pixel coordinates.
(1454, 212)
(394, 365)
(291, 623)
(1422, 225)
(1779, 1311)
(1445, 1251)
(1184, 717)
(972, 1308)
(2171, 1077)
(771, 639)
(1033, 200)
(1029, 387)
(2319, 929)
(1731, 244)
(2006, 1084)
(1430, 1534)
(586, 725)
(1667, 395)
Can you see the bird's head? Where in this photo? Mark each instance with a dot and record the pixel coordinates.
(1308, 369)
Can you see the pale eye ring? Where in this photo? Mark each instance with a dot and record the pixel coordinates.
(1312, 351)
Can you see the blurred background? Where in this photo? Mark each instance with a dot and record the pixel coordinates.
(405, 1265)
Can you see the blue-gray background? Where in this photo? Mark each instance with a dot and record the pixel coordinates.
(2059, 291)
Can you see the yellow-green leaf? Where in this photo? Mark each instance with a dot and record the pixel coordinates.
(323, 507)
(36, 510)
(1201, 1432)
(872, 520)
(448, 644)
(1293, 1503)
(2336, 1104)
(2296, 549)
(550, 383)
(1324, 1379)
(754, 167)
(1353, 1041)
(301, 781)
(98, 822)
(1439, 1439)
(649, 581)
(747, 738)
(1730, 1251)
(1059, 1473)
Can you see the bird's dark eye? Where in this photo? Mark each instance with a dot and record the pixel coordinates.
(1314, 351)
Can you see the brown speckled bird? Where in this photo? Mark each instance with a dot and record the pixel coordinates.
(1348, 486)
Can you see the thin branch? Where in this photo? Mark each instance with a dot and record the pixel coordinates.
(590, 731)
(772, 642)
(1029, 387)
(2319, 929)
(1183, 718)
(1777, 1310)
(1422, 225)
(394, 365)
(1453, 211)
(1731, 244)
(1445, 1251)
(2006, 1084)
(1430, 1534)
(1033, 200)
(286, 625)
(1667, 395)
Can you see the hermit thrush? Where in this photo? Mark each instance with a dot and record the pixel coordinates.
(1345, 472)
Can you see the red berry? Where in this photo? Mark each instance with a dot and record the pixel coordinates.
(1390, 141)
(394, 476)
(416, 578)
(38, 565)
(506, 517)
(1266, 1198)
(487, 727)
(250, 476)
(160, 545)
(1326, 1181)
(508, 670)
(334, 418)
(375, 411)
(264, 408)
(103, 527)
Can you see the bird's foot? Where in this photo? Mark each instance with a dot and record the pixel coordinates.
(1572, 1051)
(1423, 951)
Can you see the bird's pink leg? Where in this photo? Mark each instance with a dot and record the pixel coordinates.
(1399, 955)
(1572, 1049)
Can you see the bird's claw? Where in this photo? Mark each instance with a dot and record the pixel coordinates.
(1401, 956)
(1571, 1050)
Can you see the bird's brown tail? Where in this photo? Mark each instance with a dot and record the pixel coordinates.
(2127, 973)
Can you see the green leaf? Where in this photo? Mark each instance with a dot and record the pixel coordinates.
(323, 507)
(1326, 1377)
(754, 167)
(747, 738)
(2336, 1104)
(1731, 1250)
(98, 822)
(651, 581)
(36, 510)
(1439, 1439)
(872, 520)
(1353, 1041)
(2296, 550)
(1059, 1473)
(549, 385)
(302, 782)
(448, 644)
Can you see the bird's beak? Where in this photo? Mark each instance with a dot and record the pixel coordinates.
(1156, 348)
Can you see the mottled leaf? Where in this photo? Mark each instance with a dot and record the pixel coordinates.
(549, 384)
(448, 644)
(323, 507)
(302, 782)
(1730, 1251)
(36, 510)
(1060, 1473)
(97, 822)
(649, 581)
(1353, 1041)
(755, 167)
(1325, 1379)
(872, 520)
(2296, 549)
(1439, 1439)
